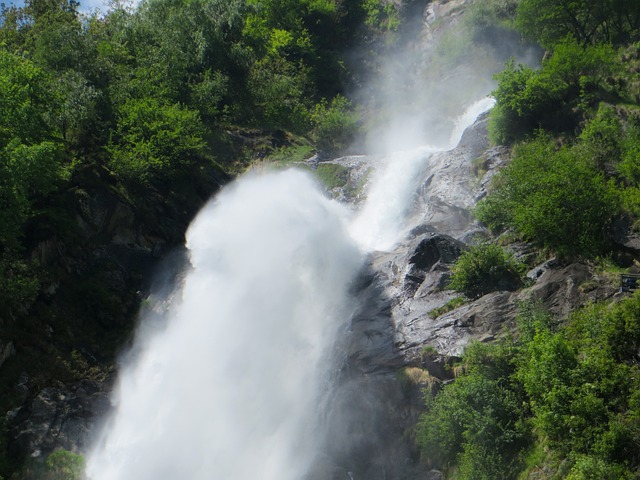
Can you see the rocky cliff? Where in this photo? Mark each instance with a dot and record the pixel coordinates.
(396, 346)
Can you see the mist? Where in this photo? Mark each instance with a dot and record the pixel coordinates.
(227, 389)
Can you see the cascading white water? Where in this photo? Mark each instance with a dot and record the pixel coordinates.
(228, 389)
(381, 221)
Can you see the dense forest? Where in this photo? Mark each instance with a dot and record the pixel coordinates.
(144, 112)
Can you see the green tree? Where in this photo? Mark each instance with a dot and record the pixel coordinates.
(279, 92)
(155, 140)
(602, 137)
(554, 197)
(477, 422)
(31, 167)
(334, 125)
(588, 21)
(31, 161)
(582, 388)
(555, 98)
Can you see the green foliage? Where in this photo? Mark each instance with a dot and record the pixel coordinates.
(575, 391)
(475, 422)
(582, 389)
(332, 175)
(447, 307)
(31, 167)
(278, 89)
(587, 467)
(602, 135)
(552, 98)
(293, 154)
(629, 167)
(554, 197)
(488, 15)
(335, 124)
(180, 46)
(64, 465)
(551, 21)
(304, 33)
(382, 15)
(25, 97)
(19, 283)
(485, 268)
(155, 140)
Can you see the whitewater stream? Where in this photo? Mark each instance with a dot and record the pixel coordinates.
(229, 386)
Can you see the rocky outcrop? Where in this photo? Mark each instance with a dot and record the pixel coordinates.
(55, 417)
(398, 330)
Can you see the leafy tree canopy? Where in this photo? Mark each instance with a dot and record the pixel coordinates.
(587, 21)
(554, 197)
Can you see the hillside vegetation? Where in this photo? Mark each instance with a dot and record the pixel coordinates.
(560, 398)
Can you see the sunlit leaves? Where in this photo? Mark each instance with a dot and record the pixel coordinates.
(155, 139)
(554, 197)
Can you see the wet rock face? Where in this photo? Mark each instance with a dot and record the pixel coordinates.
(101, 262)
(56, 417)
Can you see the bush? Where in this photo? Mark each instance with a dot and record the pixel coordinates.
(601, 136)
(629, 166)
(587, 467)
(553, 197)
(476, 422)
(332, 175)
(64, 465)
(574, 390)
(581, 387)
(485, 268)
(551, 21)
(280, 92)
(155, 140)
(334, 125)
(554, 98)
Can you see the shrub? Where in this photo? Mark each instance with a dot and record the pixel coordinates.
(601, 136)
(581, 387)
(553, 197)
(334, 124)
(629, 166)
(575, 390)
(476, 421)
(587, 467)
(279, 90)
(332, 175)
(64, 465)
(485, 268)
(553, 98)
(155, 140)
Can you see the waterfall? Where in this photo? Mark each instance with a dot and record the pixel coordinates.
(228, 388)
(381, 221)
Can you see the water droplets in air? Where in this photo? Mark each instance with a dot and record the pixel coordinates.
(227, 391)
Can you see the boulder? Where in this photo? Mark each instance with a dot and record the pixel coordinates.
(434, 249)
